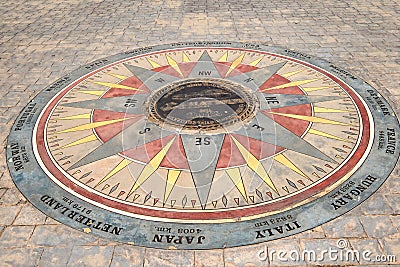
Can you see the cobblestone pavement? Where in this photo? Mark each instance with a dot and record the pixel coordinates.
(41, 41)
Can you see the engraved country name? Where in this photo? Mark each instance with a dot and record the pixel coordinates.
(278, 230)
(379, 102)
(200, 43)
(188, 236)
(59, 84)
(26, 116)
(95, 64)
(19, 156)
(296, 54)
(139, 51)
(342, 72)
(387, 141)
(353, 193)
(77, 217)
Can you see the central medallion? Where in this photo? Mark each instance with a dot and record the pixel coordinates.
(202, 105)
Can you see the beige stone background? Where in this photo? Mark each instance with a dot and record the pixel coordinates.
(41, 41)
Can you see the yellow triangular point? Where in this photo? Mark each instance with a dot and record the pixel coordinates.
(236, 178)
(310, 89)
(119, 167)
(316, 132)
(255, 62)
(224, 57)
(116, 85)
(288, 74)
(328, 110)
(153, 63)
(76, 117)
(173, 64)
(151, 167)
(285, 161)
(235, 63)
(295, 83)
(171, 180)
(98, 93)
(254, 164)
(122, 77)
(185, 57)
(83, 140)
(91, 125)
(311, 119)
(214, 203)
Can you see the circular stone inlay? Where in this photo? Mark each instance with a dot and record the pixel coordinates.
(203, 145)
(202, 104)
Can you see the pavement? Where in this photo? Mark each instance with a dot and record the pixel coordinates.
(41, 41)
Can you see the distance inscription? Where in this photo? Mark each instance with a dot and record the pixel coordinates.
(203, 145)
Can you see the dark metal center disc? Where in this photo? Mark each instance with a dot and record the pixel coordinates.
(202, 104)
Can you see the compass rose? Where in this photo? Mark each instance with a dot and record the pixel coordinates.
(200, 118)
(188, 144)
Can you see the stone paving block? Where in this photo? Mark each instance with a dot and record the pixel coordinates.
(376, 204)
(385, 188)
(391, 246)
(393, 182)
(357, 211)
(209, 258)
(29, 215)
(96, 256)
(24, 257)
(15, 236)
(166, 258)
(317, 232)
(2, 191)
(345, 226)
(51, 221)
(12, 197)
(59, 235)
(364, 249)
(106, 242)
(8, 102)
(3, 119)
(8, 214)
(247, 256)
(316, 252)
(377, 225)
(53, 256)
(284, 252)
(396, 222)
(127, 255)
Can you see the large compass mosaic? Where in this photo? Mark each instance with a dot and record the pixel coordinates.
(203, 145)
